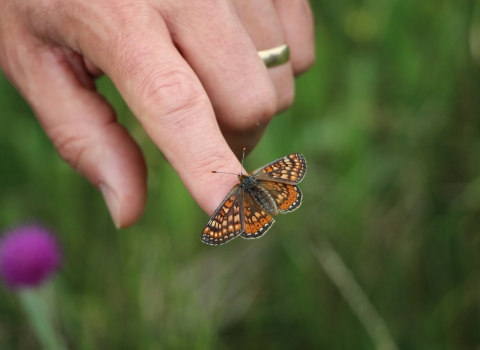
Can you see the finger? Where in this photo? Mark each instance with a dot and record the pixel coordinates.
(82, 126)
(171, 104)
(216, 45)
(261, 22)
(297, 22)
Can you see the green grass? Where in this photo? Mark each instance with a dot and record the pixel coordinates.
(388, 120)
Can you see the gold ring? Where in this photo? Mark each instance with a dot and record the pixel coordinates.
(276, 56)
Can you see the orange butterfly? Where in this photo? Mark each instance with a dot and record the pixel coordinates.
(249, 207)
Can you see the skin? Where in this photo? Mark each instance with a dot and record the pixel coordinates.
(188, 70)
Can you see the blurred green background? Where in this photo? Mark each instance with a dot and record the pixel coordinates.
(384, 252)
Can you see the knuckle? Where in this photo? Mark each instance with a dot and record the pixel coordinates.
(167, 93)
(303, 62)
(254, 110)
(285, 100)
(172, 91)
(70, 145)
(174, 99)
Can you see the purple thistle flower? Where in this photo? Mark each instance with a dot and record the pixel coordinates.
(28, 255)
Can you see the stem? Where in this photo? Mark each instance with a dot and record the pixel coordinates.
(38, 314)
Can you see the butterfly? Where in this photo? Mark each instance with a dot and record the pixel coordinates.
(249, 207)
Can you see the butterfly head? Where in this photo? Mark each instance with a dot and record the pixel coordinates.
(242, 177)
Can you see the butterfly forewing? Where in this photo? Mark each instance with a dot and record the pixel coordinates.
(289, 169)
(226, 222)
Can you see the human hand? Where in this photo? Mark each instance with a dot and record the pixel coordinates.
(188, 70)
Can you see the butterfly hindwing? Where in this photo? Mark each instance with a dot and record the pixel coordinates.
(257, 220)
(288, 197)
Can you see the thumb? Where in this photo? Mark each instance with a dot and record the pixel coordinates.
(83, 128)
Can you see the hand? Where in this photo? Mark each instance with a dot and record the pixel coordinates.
(188, 70)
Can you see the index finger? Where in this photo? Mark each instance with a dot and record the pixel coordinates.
(169, 101)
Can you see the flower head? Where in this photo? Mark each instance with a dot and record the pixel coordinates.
(28, 255)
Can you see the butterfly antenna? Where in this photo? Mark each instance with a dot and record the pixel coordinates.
(243, 157)
(223, 172)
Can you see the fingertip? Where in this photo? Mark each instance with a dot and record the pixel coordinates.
(113, 204)
(121, 178)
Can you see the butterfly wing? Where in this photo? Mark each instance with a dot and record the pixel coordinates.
(289, 169)
(288, 197)
(227, 221)
(257, 219)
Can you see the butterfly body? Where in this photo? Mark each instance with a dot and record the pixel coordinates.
(258, 193)
(249, 207)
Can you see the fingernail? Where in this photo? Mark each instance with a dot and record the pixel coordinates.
(113, 203)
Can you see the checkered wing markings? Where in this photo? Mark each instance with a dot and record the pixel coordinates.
(289, 169)
(287, 197)
(257, 220)
(226, 222)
